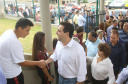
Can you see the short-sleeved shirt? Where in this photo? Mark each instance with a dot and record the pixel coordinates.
(11, 53)
(92, 48)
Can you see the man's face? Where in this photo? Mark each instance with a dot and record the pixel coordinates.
(125, 27)
(115, 24)
(90, 38)
(60, 33)
(113, 38)
(24, 32)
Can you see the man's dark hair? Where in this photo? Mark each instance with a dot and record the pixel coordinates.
(93, 33)
(68, 27)
(23, 23)
(114, 21)
(79, 29)
(115, 28)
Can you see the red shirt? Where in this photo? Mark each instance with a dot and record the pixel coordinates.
(80, 38)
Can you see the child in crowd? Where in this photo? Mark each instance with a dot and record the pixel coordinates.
(79, 34)
(39, 52)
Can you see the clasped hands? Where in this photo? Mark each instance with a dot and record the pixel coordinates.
(42, 64)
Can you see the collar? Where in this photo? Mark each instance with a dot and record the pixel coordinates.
(13, 33)
(96, 40)
(104, 61)
(117, 44)
(70, 43)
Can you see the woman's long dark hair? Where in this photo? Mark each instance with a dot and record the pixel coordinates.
(38, 44)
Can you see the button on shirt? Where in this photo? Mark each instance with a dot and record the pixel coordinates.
(71, 60)
(102, 70)
(92, 48)
(122, 76)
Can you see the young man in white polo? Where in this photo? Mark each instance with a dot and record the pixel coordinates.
(11, 52)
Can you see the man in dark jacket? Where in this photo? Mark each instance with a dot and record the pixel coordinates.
(118, 53)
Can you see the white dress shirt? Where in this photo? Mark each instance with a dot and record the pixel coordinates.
(102, 70)
(122, 76)
(71, 60)
(81, 20)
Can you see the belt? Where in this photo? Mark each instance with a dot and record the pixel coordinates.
(66, 78)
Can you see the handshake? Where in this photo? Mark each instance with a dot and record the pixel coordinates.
(42, 64)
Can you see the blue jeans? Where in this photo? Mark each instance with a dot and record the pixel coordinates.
(67, 81)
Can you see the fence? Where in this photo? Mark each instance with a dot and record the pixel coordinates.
(92, 20)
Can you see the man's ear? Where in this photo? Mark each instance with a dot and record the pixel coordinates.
(67, 33)
(19, 29)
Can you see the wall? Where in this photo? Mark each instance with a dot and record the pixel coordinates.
(30, 74)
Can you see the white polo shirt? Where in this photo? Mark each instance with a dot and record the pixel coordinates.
(71, 60)
(11, 53)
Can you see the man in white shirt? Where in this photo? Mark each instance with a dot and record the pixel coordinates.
(123, 76)
(70, 56)
(81, 19)
(11, 52)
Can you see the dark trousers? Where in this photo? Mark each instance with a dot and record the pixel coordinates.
(94, 81)
(116, 73)
(16, 80)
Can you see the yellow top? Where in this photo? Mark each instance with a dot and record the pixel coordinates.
(75, 19)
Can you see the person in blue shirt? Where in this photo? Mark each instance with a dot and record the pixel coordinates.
(118, 53)
(91, 50)
(122, 76)
(2, 77)
(92, 44)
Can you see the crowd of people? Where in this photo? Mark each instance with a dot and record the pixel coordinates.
(100, 60)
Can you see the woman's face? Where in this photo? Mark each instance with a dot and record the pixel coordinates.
(100, 35)
(120, 23)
